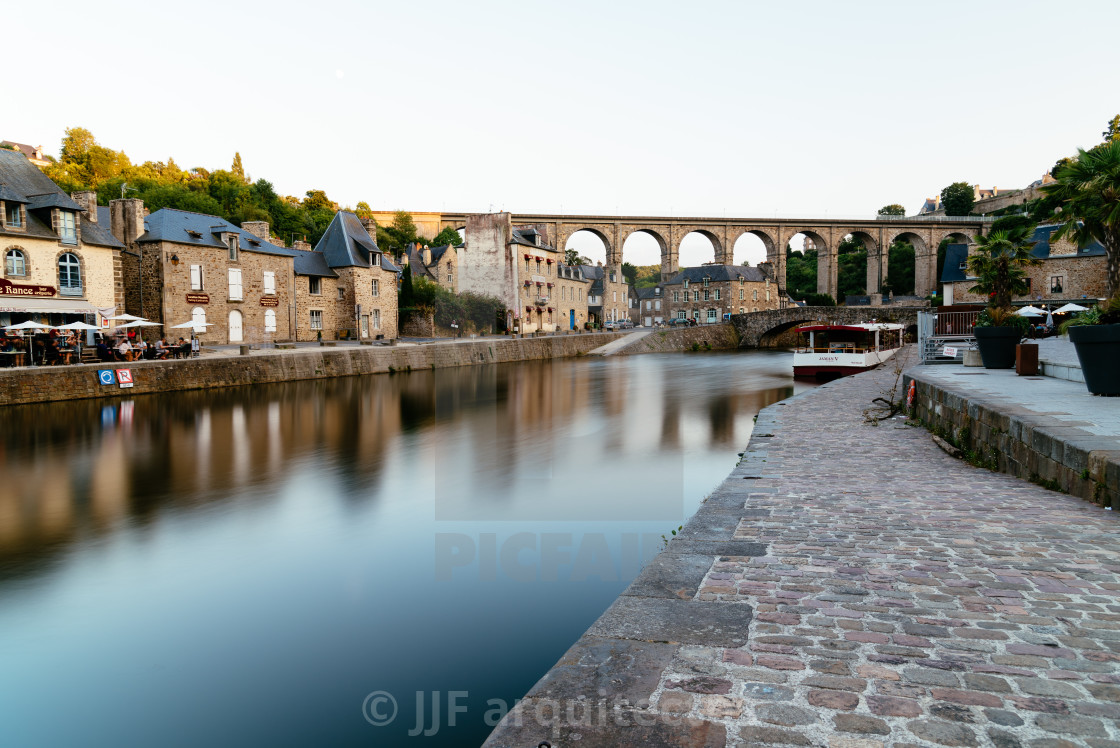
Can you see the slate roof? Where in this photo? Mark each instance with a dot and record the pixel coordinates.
(650, 292)
(717, 273)
(524, 236)
(416, 263)
(955, 254)
(21, 181)
(27, 150)
(346, 243)
(172, 225)
(1042, 249)
(313, 263)
(99, 233)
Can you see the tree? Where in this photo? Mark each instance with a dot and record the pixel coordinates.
(237, 169)
(573, 258)
(630, 273)
(957, 199)
(404, 226)
(852, 266)
(894, 209)
(900, 268)
(406, 296)
(745, 263)
(447, 235)
(999, 264)
(1088, 194)
(1113, 131)
(363, 210)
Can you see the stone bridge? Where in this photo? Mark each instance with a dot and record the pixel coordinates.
(876, 234)
(763, 329)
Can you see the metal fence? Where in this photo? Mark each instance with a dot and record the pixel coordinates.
(952, 330)
(939, 219)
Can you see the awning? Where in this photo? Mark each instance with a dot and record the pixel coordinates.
(45, 306)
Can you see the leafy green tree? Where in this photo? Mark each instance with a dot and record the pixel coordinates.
(573, 258)
(630, 273)
(801, 273)
(852, 276)
(894, 209)
(406, 297)
(999, 264)
(1088, 194)
(958, 199)
(447, 235)
(900, 268)
(1113, 131)
(363, 210)
(237, 169)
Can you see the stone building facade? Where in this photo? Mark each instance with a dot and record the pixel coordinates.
(61, 263)
(1067, 273)
(610, 295)
(188, 267)
(345, 287)
(437, 264)
(708, 292)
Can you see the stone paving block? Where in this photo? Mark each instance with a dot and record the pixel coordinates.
(675, 621)
(672, 576)
(533, 721)
(602, 668)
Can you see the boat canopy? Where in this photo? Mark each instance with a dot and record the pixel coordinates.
(851, 328)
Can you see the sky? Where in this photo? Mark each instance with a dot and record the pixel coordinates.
(742, 109)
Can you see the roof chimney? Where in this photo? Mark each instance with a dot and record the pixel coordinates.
(258, 229)
(427, 255)
(370, 227)
(127, 219)
(88, 200)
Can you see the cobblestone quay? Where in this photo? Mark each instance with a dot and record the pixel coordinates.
(852, 586)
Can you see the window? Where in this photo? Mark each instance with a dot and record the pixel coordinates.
(15, 263)
(270, 283)
(649, 305)
(198, 318)
(315, 286)
(1056, 283)
(615, 299)
(341, 293)
(231, 242)
(680, 314)
(270, 320)
(742, 310)
(696, 296)
(12, 215)
(376, 288)
(376, 319)
(657, 305)
(196, 277)
(450, 277)
(742, 294)
(235, 284)
(67, 230)
(717, 294)
(676, 296)
(707, 295)
(707, 279)
(711, 315)
(768, 294)
(526, 263)
(316, 319)
(69, 275)
(686, 283)
(754, 295)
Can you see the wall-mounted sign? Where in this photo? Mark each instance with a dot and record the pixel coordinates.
(198, 298)
(7, 288)
(270, 301)
(124, 377)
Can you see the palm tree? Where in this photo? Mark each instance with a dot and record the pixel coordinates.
(1088, 188)
(999, 262)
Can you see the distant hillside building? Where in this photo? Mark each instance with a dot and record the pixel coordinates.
(34, 153)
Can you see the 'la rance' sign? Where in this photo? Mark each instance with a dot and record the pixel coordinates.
(7, 288)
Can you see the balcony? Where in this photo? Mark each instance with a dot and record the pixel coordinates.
(71, 291)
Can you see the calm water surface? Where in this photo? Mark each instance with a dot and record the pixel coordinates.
(246, 566)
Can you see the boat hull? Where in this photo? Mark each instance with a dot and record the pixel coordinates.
(819, 365)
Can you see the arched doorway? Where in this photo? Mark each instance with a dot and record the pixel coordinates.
(236, 333)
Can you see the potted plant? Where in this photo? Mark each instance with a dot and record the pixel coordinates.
(998, 266)
(1095, 335)
(1087, 189)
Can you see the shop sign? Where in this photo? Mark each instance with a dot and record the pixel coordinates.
(7, 288)
(198, 298)
(270, 301)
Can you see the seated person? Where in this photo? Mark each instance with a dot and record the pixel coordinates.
(184, 348)
(104, 353)
(124, 350)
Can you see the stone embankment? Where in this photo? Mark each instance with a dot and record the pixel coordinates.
(703, 338)
(850, 585)
(44, 384)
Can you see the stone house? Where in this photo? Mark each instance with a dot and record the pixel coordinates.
(569, 297)
(61, 262)
(345, 287)
(437, 264)
(650, 303)
(610, 295)
(34, 153)
(183, 266)
(1067, 273)
(708, 292)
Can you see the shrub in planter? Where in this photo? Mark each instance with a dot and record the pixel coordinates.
(1096, 336)
(998, 331)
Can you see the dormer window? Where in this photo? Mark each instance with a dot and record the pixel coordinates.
(194, 234)
(13, 219)
(231, 243)
(706, 281)
(67, 227)
(686, 282)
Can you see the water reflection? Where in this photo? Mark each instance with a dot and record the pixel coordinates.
(257, 499)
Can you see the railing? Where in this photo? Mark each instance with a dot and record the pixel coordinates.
(936, 331)
(946, 219)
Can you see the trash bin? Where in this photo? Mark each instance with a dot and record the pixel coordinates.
(1026, 360)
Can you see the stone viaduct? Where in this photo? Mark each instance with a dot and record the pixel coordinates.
(762, 329)
(876, 234)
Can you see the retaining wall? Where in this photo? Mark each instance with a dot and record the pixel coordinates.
(719, 337)
(32, 385)
(1021, 443)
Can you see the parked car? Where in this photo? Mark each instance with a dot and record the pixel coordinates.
(624, 324)
(678, 322)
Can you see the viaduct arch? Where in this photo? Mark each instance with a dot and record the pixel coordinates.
(876, 234)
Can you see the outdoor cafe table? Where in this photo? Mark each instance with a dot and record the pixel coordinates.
(17, 357)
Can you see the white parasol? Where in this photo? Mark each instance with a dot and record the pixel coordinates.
(28, 326)
(78, 326)
(1070, 308)
(1030, 311)
(141, 323)
(128, 317)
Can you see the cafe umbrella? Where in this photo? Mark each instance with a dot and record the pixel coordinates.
(76, 326)
(195, 327)
(29, 325)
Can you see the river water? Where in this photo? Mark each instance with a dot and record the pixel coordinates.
(296, 564)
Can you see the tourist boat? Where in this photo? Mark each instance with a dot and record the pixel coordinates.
(839, 350)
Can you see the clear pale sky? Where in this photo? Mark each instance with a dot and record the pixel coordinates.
(643, 108)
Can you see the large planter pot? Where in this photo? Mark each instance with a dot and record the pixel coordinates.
(1098, 350)
(997, 346)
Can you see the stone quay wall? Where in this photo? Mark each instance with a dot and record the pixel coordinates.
(46, 384)
(1022, 444)
(719, 337)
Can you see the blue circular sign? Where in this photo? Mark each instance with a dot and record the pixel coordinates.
(105, 375)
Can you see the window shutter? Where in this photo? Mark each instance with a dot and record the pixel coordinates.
(196, 277)
(269, 282)
(235, 284)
